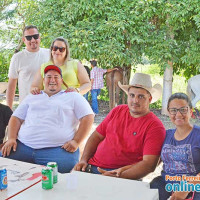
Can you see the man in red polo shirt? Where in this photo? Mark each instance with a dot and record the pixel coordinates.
(130, 137)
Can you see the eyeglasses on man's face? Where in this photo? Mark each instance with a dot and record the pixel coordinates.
(29, 37)
(61, 49)
(182, 110)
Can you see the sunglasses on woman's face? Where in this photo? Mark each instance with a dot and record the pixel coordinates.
(29, 37)
(61, 49)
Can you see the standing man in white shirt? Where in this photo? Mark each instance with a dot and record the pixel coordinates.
(25, 64)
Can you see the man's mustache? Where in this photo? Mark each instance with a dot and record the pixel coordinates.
(135, 104)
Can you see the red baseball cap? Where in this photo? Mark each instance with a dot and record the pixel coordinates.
(53, 67)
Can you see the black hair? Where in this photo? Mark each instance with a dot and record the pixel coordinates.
(30, 27)
(179, 95)
(93, 62)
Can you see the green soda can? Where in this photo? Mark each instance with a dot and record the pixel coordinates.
(47, 178)
(54, 166)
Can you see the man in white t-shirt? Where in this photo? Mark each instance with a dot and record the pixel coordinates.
(49, 127)
(25, 64)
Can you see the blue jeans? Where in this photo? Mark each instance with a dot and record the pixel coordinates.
(64, 159)
(159, 183)
(95, 93)
(95, 171)
(86, 96)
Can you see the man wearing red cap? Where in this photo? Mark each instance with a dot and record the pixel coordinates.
(50, 126)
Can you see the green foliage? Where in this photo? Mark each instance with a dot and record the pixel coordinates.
(176, 35)
(5, 57)
(104, 94)
(156, 105)
(115, 32)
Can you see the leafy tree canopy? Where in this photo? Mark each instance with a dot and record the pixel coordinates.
(115, 32)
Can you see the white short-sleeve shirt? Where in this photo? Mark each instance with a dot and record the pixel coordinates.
(50, 121)
(24, 65)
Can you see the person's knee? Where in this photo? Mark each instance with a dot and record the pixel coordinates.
(66, 167)
(196, 195)
(68, 162)
(156, 182)
(22, 153)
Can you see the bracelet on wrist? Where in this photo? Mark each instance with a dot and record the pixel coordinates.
(78, 90)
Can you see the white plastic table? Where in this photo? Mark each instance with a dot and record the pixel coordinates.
(20, 176)
(84, 186)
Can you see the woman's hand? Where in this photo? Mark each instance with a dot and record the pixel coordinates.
(71, 89)
(35, 90)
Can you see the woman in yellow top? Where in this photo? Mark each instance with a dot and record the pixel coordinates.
(74, 73)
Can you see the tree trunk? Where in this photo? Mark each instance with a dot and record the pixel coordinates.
(168, 75)
(167, 87)
(21, 40)
(19, 46)
(126, 78)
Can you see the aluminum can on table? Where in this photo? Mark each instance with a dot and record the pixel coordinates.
(47, 178)
(3, 179)
(54, 166)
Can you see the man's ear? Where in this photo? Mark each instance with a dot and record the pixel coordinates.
(191, 112)
(150, 99)
(43, 79)
(23, 38)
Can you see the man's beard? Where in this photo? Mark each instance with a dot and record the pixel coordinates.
(52, 90)
(34, 46)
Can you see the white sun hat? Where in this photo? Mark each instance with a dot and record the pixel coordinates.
(141, 80)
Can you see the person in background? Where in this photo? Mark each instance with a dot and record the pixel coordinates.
(74, 73)
(181, 149)
(96, 76)
(50, 126)
(88, 71)
(24, 65)
(130, 138)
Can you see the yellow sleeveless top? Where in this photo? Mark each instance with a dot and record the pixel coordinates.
(69, 73)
